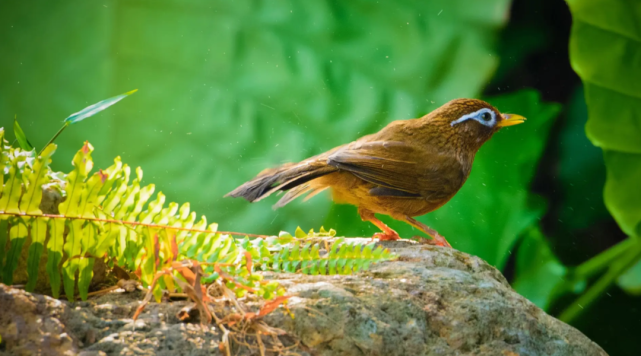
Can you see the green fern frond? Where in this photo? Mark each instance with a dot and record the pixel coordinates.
(342, 258)
(105, 216)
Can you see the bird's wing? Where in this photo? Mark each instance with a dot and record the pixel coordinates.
(399, 169)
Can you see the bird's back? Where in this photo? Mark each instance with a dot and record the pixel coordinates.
(402, 169)
(405, 168)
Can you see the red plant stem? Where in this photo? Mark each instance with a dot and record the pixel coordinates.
(230, 279)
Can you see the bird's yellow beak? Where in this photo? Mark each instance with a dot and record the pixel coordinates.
(510, 120)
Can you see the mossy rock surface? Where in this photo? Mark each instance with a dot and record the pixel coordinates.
(432, 301)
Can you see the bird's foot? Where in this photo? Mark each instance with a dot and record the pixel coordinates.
(386, 236)
(437, 240)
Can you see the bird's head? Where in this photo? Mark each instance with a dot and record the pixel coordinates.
(474, 121)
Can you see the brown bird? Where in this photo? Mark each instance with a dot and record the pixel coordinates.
(407, 169)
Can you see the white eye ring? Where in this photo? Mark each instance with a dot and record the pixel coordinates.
(479, 116)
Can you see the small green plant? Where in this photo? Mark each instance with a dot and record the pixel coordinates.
(108, 215)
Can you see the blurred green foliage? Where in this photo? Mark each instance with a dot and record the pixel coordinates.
(605, 47)
(230, 88)
(538, 271)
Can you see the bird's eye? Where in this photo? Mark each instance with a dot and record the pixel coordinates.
(486, 116)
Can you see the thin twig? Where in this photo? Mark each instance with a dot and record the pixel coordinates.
(261, 346)
(54, 137)
(103, 291)
(225, 338)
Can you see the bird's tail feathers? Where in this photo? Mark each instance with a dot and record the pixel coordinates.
(299, 191)
(289, 176)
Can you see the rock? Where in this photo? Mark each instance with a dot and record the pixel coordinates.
(32, 324)
(432, 301)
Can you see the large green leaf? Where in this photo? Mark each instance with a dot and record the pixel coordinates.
(605, 50)
(494, 206)
(234, 87)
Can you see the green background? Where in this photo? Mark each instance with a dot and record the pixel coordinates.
(227, 89)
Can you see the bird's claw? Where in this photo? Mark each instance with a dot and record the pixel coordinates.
(438, 240)
(382, 236)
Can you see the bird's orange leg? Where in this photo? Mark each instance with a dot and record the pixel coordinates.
(437, 239)
(387, 235)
